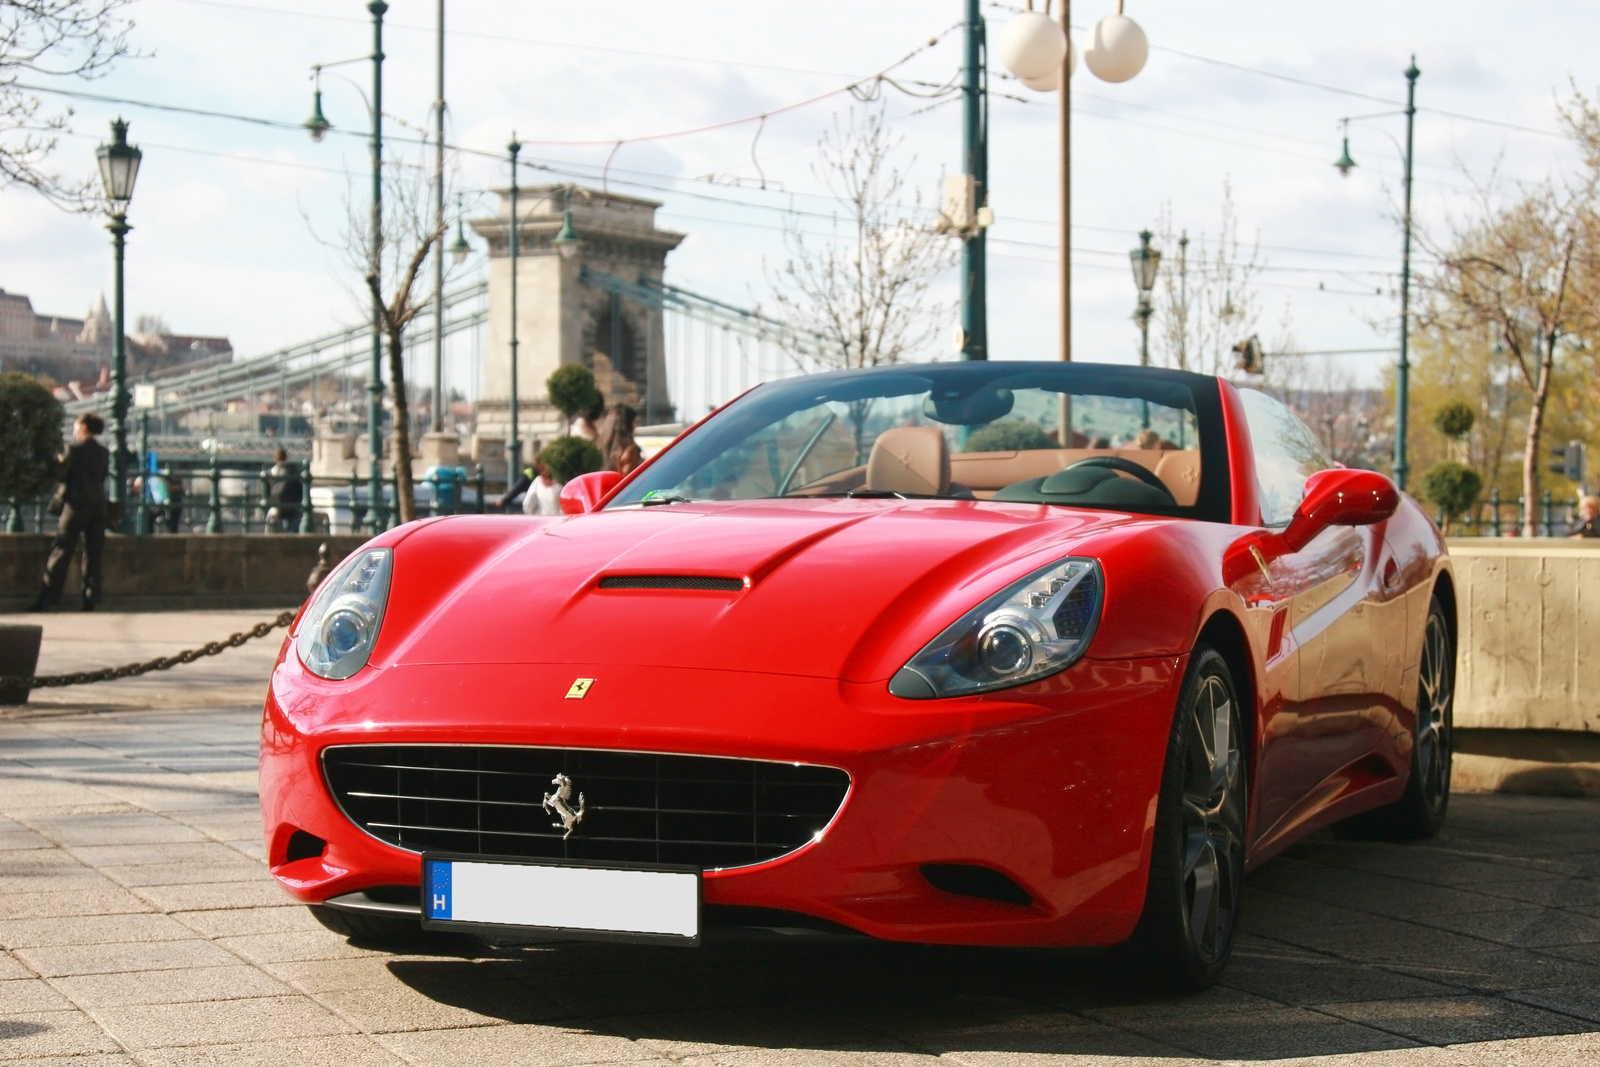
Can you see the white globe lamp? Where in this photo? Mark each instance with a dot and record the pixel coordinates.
(1117, 49)
(1031, 46)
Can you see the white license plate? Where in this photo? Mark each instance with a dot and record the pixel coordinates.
(564, 899)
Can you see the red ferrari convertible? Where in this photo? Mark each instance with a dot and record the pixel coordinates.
(970, 653)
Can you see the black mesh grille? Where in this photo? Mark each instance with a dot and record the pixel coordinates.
(671, 581)
(640, 808)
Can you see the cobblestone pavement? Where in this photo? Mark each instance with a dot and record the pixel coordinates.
(139, 926)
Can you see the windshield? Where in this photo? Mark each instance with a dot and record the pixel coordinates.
(1138, 439)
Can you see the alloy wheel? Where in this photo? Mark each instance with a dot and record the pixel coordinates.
(1213, 819)
(1437, 688)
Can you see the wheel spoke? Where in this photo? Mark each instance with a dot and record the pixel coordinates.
(1203, 902)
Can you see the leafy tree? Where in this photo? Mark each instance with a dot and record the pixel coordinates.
(30, 437)
(572, 391)
(568, 457)
(1452, 488)
(1455, 419)
(1008, 435)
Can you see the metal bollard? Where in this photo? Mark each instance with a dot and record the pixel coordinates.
(214, 520)
(432, 482)
(307, 519)
(1494, 506)
(480, 489)
(1545, 503)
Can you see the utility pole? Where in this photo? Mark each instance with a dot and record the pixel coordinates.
(376, 510)
(974, 295)
(1402, 394)
(514, 442)
(438, 227)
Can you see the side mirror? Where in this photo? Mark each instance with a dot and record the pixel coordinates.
(1340, 498)
(584, 493)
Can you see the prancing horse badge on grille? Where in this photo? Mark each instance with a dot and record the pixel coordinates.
(560, 802)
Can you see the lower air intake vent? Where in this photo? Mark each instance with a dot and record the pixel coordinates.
(636, 807)
(671, 581)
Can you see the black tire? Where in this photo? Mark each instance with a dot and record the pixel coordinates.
(370, 929)
(1420, 812)
(1191, 910)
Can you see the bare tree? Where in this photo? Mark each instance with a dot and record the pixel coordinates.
(52, 38)
(390, 283)
(1206, 299)
(1518, 272)
(863, 291)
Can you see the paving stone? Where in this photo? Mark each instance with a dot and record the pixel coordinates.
(30, 995)
(110, 900)
(160, 874)
(219, 1022)
(206, 896)
(170, 986)
(341, 1051)
(1457, 1020)
(90, 930)
(1496, 969)
(1526, 926)
(392, 1006)
(172, 852)
(59, 960)
(10, 968)
(514, 1045)
(233, 922)
(319, 944)
(1581, 1000)
(51, 1033)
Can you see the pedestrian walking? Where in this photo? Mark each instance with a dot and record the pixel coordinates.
(285, 494)
(544, 492)
(82, 497)
(1589, 512)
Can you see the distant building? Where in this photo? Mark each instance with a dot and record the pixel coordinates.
(76, 353)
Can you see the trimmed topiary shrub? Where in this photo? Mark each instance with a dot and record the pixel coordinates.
(1454, 420)
(30, 437)
(572, 390)
(1452, 488)
(568, 457)
(1008, 435)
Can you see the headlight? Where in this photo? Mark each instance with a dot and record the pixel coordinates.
(341, 626)
(1036, 627)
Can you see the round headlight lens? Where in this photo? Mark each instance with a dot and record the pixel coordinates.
(345, 630)
(1004, 650)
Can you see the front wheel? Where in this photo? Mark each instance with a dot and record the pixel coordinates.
(1191, 910)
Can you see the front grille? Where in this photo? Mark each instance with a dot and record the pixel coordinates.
(486, 800)
(671, 581)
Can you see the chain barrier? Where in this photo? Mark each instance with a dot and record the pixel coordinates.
(160, 663)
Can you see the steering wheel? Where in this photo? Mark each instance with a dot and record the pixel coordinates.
(1126, 466)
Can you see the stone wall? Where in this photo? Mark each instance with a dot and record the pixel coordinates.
(1530, 619)
(179, 570)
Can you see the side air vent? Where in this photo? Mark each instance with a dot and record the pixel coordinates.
(969, 880)
(671, 581)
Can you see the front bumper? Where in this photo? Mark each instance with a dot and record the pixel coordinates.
(1052, 784)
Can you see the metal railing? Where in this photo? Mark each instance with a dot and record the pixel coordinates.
(1494, 517)
(214, 498)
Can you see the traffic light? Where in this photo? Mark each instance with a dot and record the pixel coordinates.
(1571, 461)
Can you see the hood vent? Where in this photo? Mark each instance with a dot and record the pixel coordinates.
(671, 581)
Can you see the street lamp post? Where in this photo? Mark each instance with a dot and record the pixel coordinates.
(514, 442)
(1402, 397)
(438, 236)
(975, 159)
(119, 169)
(1040, 53)
(318, 126)
(1146, 261)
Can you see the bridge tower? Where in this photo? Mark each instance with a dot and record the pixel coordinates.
(562, 320)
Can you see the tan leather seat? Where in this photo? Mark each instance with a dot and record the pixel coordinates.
(910, 459)
(1179, 470)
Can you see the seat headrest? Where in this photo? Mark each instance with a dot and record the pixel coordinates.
(910, 459)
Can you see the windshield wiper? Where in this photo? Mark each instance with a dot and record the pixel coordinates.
(664, 498)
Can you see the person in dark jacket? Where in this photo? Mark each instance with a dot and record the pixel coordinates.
(285, 494)
(84, 466)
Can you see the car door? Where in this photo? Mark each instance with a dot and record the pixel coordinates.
(1322, 600)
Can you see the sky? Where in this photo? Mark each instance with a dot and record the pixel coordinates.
(235, 223)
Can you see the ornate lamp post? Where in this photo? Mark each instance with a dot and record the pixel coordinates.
(514, 442)
(119, 169)
(318, 126)
(1345, 164)
(1146, 262)
(1041, 54)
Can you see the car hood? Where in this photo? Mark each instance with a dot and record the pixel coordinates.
(844, 589)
